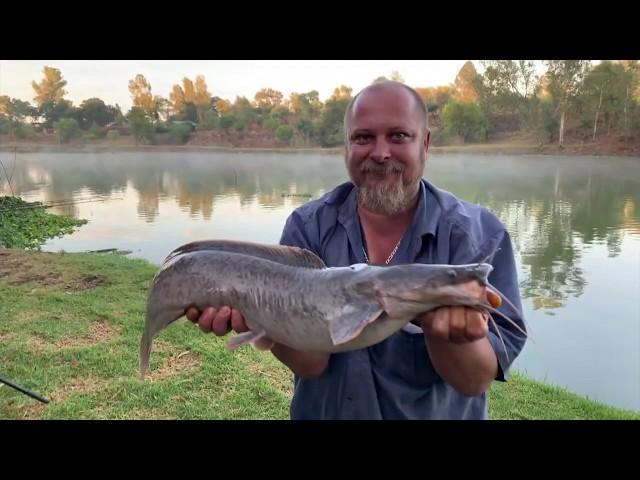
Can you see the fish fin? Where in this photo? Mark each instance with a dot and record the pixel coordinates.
(257, 338)
(353, 319)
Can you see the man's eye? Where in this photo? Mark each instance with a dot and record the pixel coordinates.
(361, 138)
(399, 136)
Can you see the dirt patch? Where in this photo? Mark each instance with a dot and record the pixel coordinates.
(174, 365)
(18, 267)
(25, 316)
(84, 283)
(80, 385)
(99, 331)
(5, 336)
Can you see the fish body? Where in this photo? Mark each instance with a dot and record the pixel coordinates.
(286, 294)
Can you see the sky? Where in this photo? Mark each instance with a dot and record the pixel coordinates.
(109, 79)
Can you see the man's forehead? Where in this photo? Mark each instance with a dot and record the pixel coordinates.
(372, 96)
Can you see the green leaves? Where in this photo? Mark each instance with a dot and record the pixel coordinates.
(26, 225)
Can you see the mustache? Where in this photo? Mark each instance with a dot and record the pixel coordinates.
(387, 167)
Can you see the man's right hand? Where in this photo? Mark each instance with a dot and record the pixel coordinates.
(219, 321)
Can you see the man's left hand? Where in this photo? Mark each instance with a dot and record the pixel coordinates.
(457, 324)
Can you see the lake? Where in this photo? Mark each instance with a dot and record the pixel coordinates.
(574, 222)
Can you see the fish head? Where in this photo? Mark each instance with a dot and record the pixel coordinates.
(406, 290)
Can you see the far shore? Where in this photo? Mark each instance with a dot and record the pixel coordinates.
(585, 149)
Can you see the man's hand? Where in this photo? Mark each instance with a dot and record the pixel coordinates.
(219, 321)
(458, 346)
(459, 324)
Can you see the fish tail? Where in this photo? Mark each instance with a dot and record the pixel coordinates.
(145, 352)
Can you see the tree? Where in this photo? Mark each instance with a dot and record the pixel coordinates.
(604, 91)
(243, 112)
(341, 93)
(16, 110)
(142, 97)
(268, 98)
(565, 78)
(201, 98)
(176, 97)
(191, 101)
(53, 111)
(465, 83)
(435, 98)
(223, 106)
(396, 77)
(305, 105)
(51, 88)
(329, 127)
(508, 85)
(94, 110)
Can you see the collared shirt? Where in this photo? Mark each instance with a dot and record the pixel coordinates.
(395, 379)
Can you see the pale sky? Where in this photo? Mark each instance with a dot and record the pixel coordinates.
(109, 79)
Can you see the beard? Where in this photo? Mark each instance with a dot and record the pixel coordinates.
(382, 188)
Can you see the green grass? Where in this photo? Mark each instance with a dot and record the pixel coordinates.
(70, 326)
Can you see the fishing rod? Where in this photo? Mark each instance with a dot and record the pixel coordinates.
(24, 390)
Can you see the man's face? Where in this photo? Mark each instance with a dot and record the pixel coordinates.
(386, 149)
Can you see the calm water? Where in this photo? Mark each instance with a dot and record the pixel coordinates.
(575, 224)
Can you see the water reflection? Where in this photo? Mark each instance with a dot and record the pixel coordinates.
(574, 222)
(553, 208)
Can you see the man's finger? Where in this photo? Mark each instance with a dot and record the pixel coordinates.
(192, 314)
(457, 324)
(206, 319)
(438, 324)
(237, 322)
(476, 325)
(221, 324)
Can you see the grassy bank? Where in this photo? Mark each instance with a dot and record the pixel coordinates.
(70, 326)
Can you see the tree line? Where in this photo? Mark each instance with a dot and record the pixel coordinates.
(572, 97)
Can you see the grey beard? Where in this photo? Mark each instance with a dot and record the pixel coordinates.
(387, 198)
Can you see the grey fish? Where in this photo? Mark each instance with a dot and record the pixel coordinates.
(287, 295)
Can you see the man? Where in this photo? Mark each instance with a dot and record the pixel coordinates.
(441, 365)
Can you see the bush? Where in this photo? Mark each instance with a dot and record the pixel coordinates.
(180, 132)
(284, 133)
(23, 131)
(113, 135)
(142, 130)
(5, 125)
(66, 129)
(211, 121)
(227, 122)
(464, 119)
(271, 123)
(94, 132)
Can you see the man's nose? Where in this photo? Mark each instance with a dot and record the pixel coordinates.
(381, 151)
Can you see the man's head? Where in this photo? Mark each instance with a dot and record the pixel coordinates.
(386, 139)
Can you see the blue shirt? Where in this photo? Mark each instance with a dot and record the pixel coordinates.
(395, 379)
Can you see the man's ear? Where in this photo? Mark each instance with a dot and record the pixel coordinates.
(427, 140)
